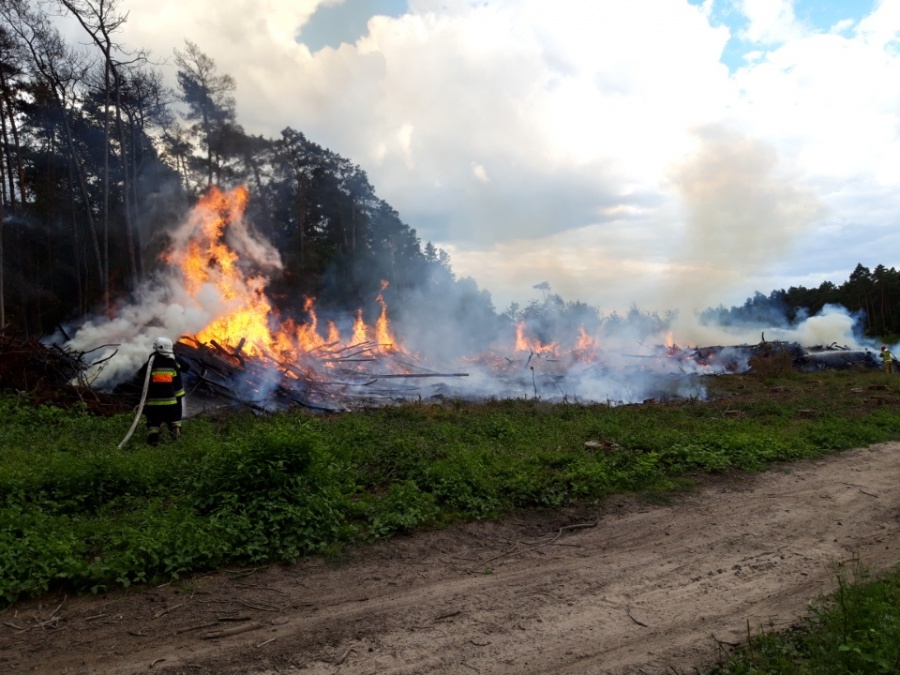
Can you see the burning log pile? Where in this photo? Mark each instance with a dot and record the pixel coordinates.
(334, 378)
(740, 358)
(242, 351)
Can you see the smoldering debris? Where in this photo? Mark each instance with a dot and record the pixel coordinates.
(339, 378)
(837, 357)
(335, 379)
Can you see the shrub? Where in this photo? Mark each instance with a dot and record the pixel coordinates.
(273, 495)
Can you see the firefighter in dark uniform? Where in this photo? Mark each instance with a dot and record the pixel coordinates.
(165, 391)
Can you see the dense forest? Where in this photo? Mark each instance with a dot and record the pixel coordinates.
(872, 295)
(99, 160)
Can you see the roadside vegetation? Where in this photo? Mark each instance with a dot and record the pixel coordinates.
(855, 630)
(76, 514)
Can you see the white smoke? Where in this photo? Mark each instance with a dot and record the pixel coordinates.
(162, 306)
(632, 358)
(833, 325)
(743, 211)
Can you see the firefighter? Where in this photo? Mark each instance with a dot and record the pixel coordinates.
(164, 404)
(888, 359)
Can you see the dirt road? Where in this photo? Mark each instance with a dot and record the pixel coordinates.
(627, 587)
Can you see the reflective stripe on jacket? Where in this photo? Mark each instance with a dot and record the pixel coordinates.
(165, 386)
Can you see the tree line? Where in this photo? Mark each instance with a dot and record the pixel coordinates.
(99, 159)
(872, 295)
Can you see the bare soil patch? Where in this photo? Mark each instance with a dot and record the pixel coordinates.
(625, 587)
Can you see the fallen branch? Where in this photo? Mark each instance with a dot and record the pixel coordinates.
(630, 616)
(377, 377)
(165, 611)
(516, 550)
(227, 632)
(198, 627)
(448, 615)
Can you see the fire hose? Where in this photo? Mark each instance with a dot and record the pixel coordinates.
(140, 408)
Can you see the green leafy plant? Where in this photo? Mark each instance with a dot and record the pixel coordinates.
(76, 513)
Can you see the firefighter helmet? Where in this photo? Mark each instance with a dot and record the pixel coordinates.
(163, 346)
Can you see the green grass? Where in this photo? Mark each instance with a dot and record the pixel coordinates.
(78, 514)
(855, 630)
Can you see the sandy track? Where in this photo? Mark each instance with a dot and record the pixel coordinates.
(626, 588)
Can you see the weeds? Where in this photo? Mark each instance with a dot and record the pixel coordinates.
(75, 513)
(855, 630)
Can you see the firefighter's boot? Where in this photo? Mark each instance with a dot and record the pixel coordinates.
(153, 437)
(176, 432)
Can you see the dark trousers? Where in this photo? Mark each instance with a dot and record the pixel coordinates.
(158, 415)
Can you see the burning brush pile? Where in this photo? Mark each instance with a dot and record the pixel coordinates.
(211, 297)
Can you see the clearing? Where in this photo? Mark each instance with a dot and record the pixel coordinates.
(626, 587)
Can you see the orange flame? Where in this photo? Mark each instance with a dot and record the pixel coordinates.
(526, 344)
(382, 330)
(521, 342)
(585, 341)
(206, 260)
(359, 329)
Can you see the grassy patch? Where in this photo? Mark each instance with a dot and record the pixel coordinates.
(76, 513)
(856, 630)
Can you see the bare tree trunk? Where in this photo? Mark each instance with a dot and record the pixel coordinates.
(2, 265)
(100, 19)
(13, 127)
(102, 261)
(6, 161)
(78, 261)
(47, 52)
(136, 221)
(126, 183)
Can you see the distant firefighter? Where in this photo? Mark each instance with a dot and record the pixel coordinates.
(887, 359)
(163, 397)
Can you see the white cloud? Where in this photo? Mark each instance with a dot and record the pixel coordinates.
(770, 21)
(537, 141)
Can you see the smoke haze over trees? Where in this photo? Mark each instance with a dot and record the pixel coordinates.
(99, 161)
(872, 295)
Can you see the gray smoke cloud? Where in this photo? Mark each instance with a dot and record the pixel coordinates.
(562, 351)
(743, 212)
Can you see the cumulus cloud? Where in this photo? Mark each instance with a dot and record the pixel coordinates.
(537, 140)
(770, 21)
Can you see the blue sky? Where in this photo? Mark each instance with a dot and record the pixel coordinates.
(345, 22)
(676, 154)
(819, 15)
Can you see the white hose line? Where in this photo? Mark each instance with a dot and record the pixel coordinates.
(137, 418)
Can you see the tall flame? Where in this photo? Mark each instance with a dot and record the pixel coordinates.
(382, 330)
(526, 344)
(205, 259)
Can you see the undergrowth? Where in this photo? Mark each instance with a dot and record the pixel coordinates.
(79, 515)
(855, 630)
